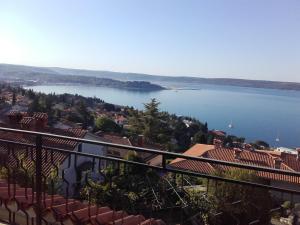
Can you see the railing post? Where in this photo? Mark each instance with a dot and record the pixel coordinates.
(38, 179)
(164, 161)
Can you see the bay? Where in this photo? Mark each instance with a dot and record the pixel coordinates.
(257, 114)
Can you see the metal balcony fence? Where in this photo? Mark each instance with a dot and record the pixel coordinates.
(45, 184)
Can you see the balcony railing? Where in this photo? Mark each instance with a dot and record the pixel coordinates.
(45, 183)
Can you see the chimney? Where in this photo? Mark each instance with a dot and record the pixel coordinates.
(298, 153)
(277, 162)
(141, 140)
(217, 143)
(237, 153)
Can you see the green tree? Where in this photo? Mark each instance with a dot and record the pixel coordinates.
(181, 135)
(35, 105)
(14, 98)
(259, 144)
(200, 137)
(126, 186)
(151, 123)
(86, 118)
(151, 120)
(107, 125)
(251, 203)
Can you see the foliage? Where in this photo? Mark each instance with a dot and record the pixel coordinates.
(200, 204)
(124, 187)
(107, 125)
(286, 205)
(14, 98)
(164, 128)
(259, 144)
(251, 203)
(181, 134)
(86, 117)
(109, 107)
(200, 137)
(231, 139)
(151, 123)
(23, 175)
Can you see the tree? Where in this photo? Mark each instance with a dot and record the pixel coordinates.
(259, 144)
(181, 135)
(14, 98)
(125, 186)
(107, 125)
(151, 120)
(151, 123)
(87, 118)
(35, 105)
(253, 203)
(200, 137)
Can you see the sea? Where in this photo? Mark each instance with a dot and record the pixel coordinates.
(256, 114)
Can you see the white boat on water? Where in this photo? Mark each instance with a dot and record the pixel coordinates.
(230, 126)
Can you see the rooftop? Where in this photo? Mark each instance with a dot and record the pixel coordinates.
(289, 162)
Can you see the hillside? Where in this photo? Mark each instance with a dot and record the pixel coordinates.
(64, 74)
(25, 75)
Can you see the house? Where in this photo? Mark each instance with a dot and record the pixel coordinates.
(286, 150)
(66, 163)
(218, 134)
(149, 158)
(120, 119)
(282, 161)
(115, 139)
(187, 123)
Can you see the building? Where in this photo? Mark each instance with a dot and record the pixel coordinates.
(219, 134)
(115, 139)
(277, 160)
(120, 119)
(65, 162)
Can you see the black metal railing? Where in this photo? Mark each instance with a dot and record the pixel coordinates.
(37, 171)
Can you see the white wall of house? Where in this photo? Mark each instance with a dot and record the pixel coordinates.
(73, 162)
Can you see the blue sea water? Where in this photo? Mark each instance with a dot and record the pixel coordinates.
(256, 114)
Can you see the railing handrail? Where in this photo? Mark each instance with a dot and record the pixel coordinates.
(165, 154)
(167, 169)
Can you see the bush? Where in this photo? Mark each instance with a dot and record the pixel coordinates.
(254, 203)
(107, 125)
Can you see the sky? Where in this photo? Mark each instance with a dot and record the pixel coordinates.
(251, 39)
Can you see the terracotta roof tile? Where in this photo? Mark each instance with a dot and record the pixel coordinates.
(26, 120)
(40, 115)
(115, 139)
(57, 209)
(256, 158)
(50, 158)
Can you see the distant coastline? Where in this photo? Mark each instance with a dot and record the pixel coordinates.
(53, 75)
(139, 86)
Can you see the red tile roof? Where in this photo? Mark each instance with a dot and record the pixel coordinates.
(257, 158)
(51, 158)
(218, 133)
(26, 120)
(115, 139)
(40, 115)
(57, 209)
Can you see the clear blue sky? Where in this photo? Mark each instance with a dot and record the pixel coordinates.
(254, 39)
